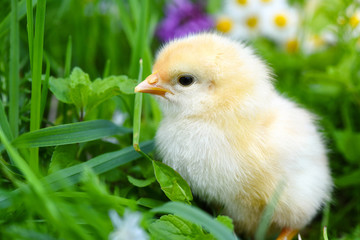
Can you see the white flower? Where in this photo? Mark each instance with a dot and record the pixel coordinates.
(127, 228)
(119, 117)
(317, 42)
(246, 19)
(240, 19)
(280, 22)
(354, 20)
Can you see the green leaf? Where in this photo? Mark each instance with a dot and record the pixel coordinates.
(103, 89)
(63, 156)
(60, 87)
(175, 228)
(350, 179)
(69, 133)
(348, 144)
(78, 89)
(80, 86)
(140, 182)
(149, 202)
(197, 216)
(226, 221)
(172, 184)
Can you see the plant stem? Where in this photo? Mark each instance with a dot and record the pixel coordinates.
(137, 113)
(14, 71)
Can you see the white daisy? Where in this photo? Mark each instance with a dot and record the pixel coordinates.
(280, 22)
(240, 19)
(354, 22)
(317, 42)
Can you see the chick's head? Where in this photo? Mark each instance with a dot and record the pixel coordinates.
(199, 74)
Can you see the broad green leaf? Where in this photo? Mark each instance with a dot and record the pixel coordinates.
(173, 185)
(140, 182)
(197, 216)
(60, 87)
(69, 133)
(348, 144)
(175, 228)
(79, 90)
(62, 157)
(103, 89)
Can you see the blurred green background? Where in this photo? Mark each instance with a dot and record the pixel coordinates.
(318, 66)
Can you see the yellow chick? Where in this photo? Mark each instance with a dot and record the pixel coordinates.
(233, 138)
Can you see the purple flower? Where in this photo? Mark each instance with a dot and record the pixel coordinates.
(181, 18)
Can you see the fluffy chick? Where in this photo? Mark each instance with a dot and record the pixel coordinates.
(232, 137)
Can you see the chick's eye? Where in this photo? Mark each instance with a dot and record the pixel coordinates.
(186, 80)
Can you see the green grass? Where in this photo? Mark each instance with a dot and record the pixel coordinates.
(14, 71)
(36, 70)
(63, 168)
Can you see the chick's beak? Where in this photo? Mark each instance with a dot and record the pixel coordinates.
(151, 85)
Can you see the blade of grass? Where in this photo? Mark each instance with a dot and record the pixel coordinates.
(5, 24)
(140, 39)
(107, 68)
(14, 71)
(269, 212)
(325, 218)
(34, 183)
(68, 57)
(30, 28)
(4, 123)
(69, 133)
(197, 216)
(325, 233)
(126, 23)
(137, 114)
(99, 164)
(134, 9)
(36, 79)
(45, 88)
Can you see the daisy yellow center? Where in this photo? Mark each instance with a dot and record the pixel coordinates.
(242, 2)
(354, 20)
(318, 41)
(280, 20)
(292, 45)
(224, 25)
(252, 22)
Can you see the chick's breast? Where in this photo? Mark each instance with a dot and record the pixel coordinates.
(233, 137)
